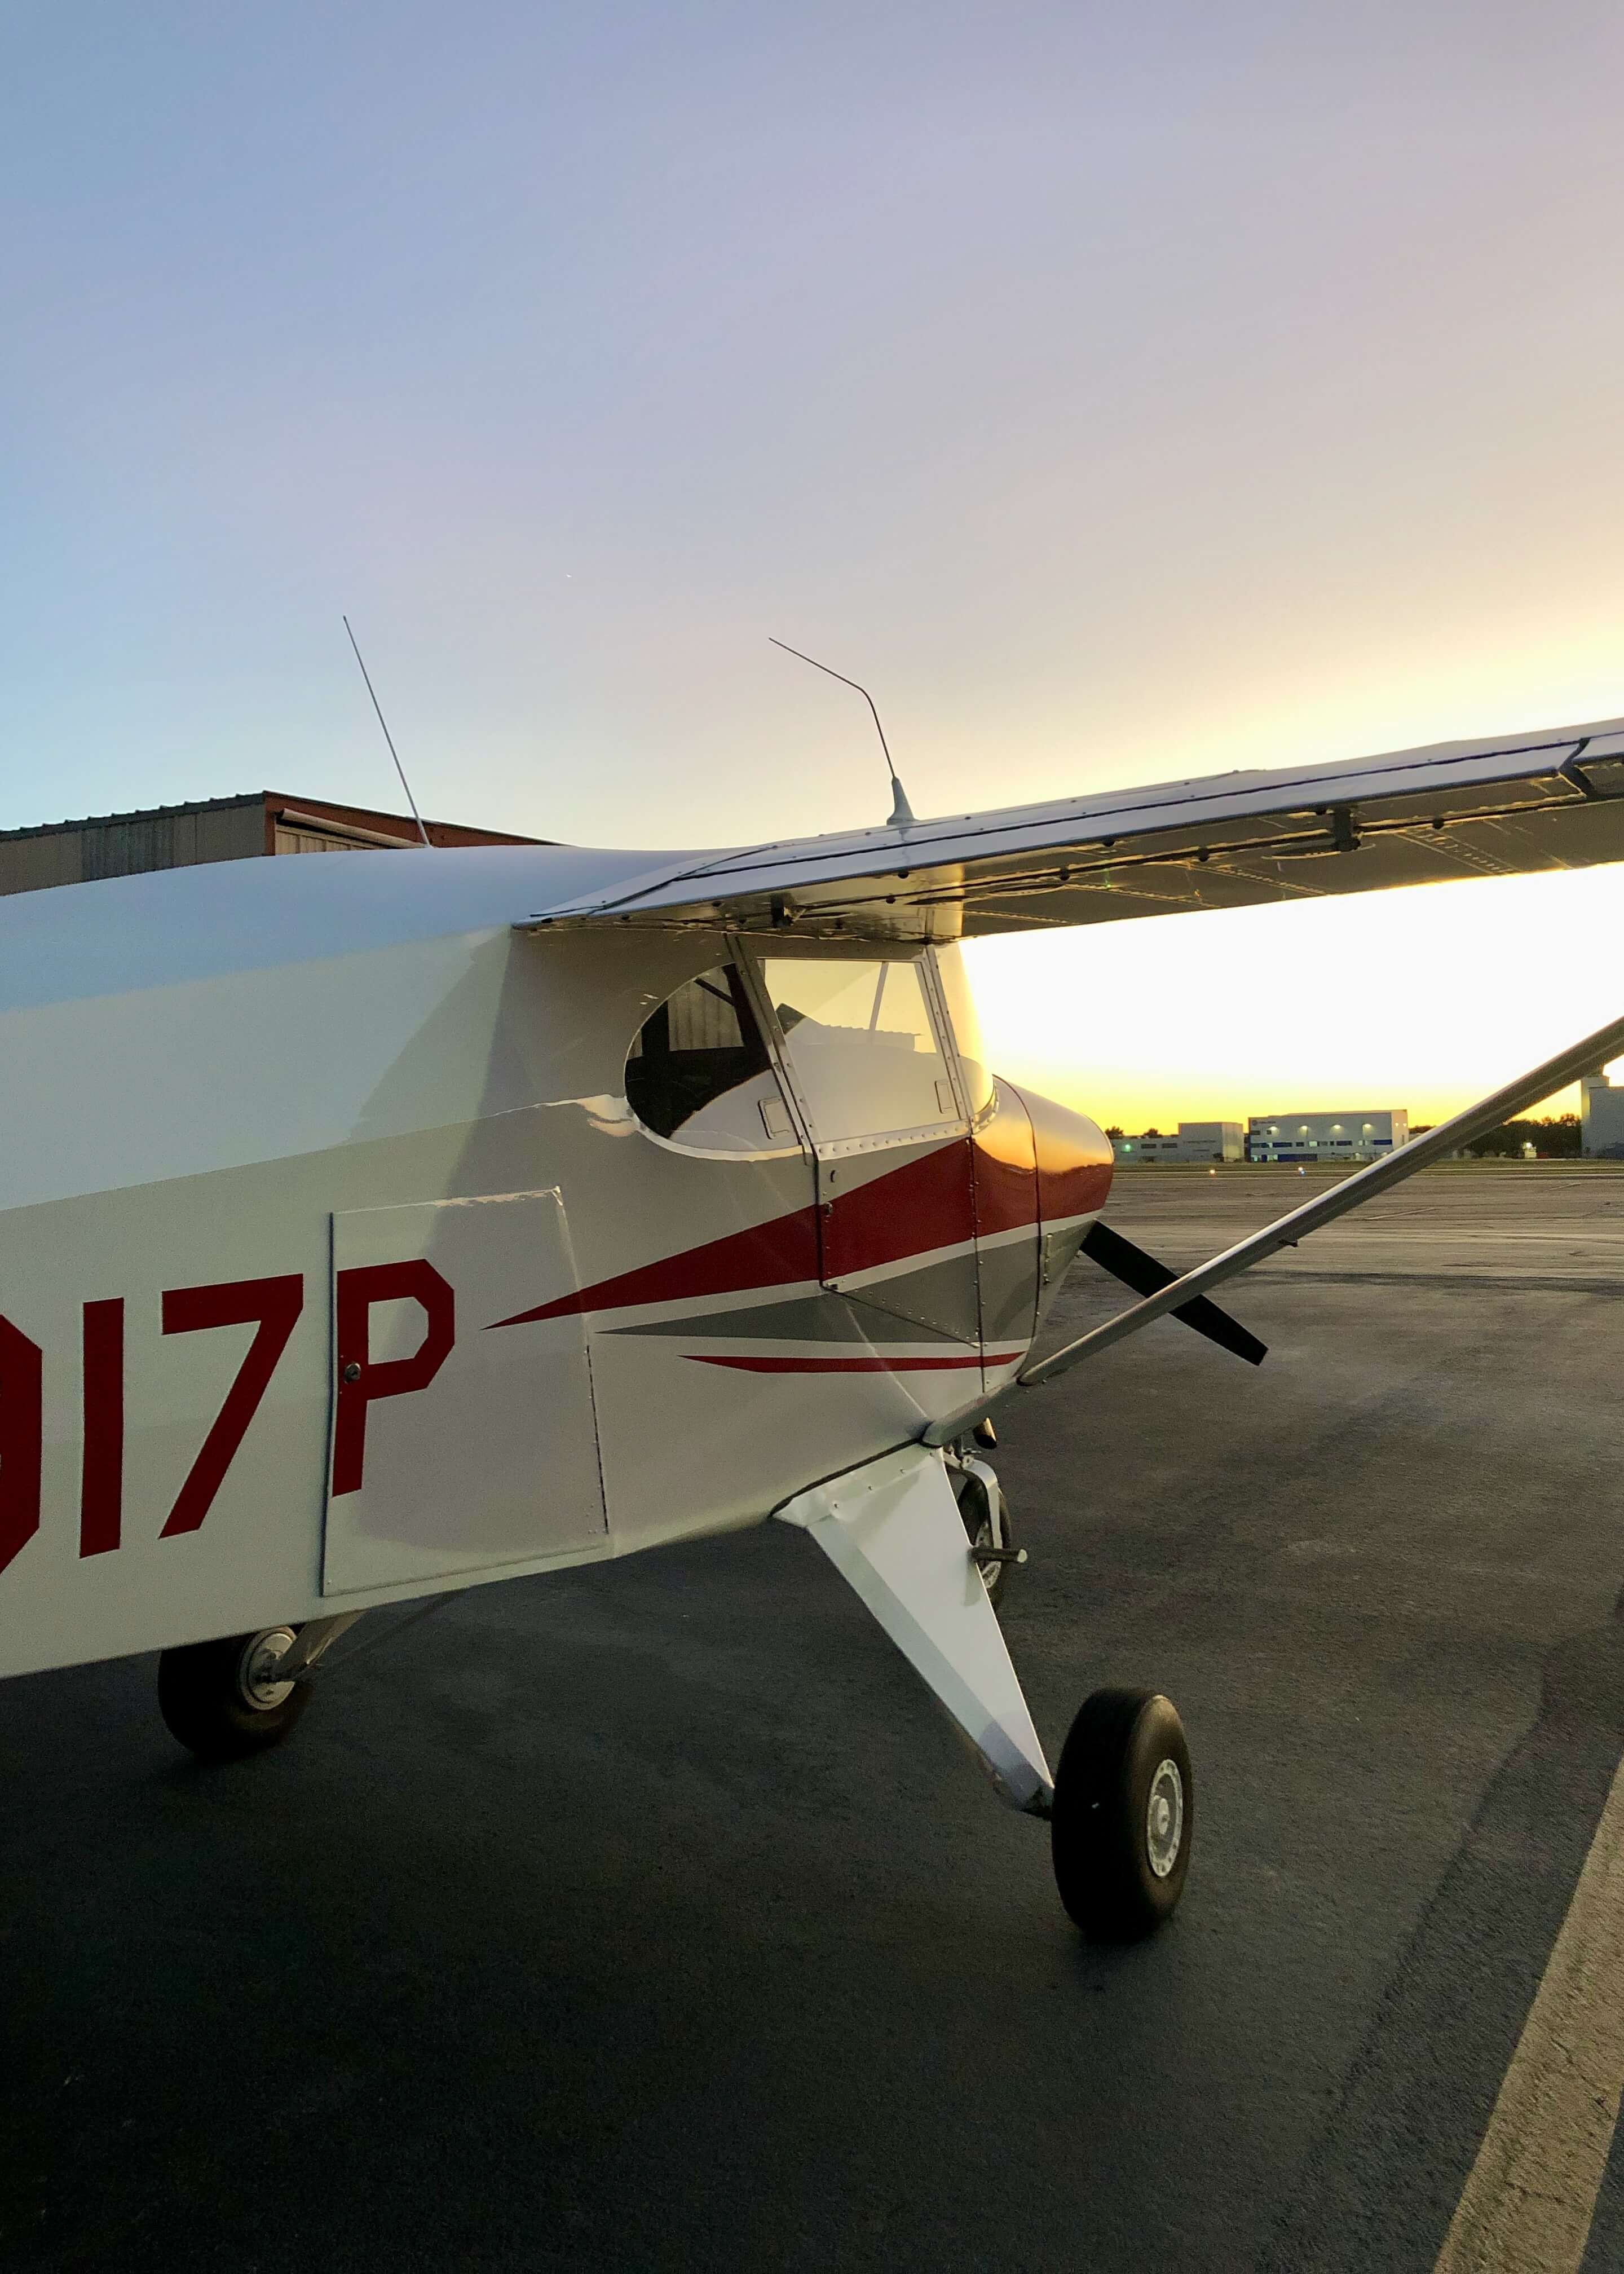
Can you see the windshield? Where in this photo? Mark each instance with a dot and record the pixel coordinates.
(862, 1046)
(973, 1067)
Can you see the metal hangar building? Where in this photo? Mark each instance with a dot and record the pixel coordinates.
(260, 822)
(1364, 1135)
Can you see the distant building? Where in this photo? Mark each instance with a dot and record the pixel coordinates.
(1601, 1119)
(1329, 1137)
(1152, 1146)
(214, 829)
(1196, 1141)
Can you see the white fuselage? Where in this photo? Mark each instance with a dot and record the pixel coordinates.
(336, 1269)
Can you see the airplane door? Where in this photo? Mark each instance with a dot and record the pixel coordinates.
(463, 1437)
(895, 1194)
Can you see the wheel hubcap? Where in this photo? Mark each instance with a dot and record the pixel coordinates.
(989, 1533)
(260, 1655)
(986, 1537)
(1164, 1819)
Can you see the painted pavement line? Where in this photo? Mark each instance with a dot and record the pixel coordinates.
(1529, 2198)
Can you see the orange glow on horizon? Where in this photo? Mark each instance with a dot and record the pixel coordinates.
(1426, 998)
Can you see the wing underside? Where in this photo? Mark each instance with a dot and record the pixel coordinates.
(1547, 801)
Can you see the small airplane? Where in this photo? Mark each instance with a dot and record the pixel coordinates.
(372, 1229)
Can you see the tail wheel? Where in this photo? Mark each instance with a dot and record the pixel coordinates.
(219, 1701)
(1124, 1814)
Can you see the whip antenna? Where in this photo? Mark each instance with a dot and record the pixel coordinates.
(389, 738)
(901, 811)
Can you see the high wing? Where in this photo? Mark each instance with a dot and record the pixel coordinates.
(1494, 808)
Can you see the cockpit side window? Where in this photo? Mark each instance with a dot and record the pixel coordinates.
(700, 1072)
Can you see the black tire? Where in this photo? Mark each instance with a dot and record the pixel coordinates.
(212, 1704)
(1120, 1872)
(986, 1526)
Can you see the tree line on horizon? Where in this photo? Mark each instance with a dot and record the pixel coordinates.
(1554, 1137)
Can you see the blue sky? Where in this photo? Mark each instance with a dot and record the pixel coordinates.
(1120, 392)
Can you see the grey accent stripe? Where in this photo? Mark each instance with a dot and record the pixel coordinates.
(938, 1303)
(808, 1319)
(941, 1299)
(1059, 1255)
(1010, 1290)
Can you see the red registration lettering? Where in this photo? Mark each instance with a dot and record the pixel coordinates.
(101, 1470)
(359, 1379)
(273, 1306)
(22, 1417)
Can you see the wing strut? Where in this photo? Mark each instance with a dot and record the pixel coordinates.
(1353, 1191)
(1582, 1058)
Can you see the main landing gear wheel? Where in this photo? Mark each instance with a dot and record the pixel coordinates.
(218, 1700)
(1123, 1815)
(986, 1514)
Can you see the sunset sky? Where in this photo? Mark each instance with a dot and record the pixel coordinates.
(1119, 393)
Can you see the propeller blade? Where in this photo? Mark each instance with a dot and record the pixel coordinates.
(1146, 1277)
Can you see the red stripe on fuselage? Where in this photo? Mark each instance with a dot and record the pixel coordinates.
(909, 1212)
(923, 1206)
(779, 1253)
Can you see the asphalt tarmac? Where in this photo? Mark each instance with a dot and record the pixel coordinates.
(650, 1917)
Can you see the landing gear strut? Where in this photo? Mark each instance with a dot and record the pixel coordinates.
(912, 1533)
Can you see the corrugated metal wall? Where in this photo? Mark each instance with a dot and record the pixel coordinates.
(308, 841)
(127, 845)
(223, 829)
(27, 864)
